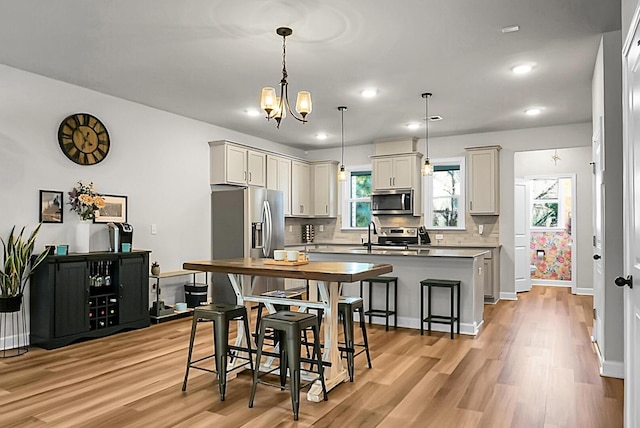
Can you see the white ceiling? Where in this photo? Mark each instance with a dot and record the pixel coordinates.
(209, 59)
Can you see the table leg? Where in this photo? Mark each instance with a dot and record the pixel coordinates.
(335, 374)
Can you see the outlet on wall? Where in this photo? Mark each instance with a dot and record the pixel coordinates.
(290, 228)
(439, 237)
(321, 228)
(481, 229)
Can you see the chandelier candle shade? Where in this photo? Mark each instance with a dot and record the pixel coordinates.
(427, 168)
(342, 174)
(276, 106)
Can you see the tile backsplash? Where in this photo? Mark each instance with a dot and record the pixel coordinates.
(332, 231)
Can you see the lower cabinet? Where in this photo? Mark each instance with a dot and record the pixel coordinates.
(82, 296)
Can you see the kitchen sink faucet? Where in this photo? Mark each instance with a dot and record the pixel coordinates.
(375, 232)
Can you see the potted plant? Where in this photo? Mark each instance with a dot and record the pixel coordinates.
(16, 268)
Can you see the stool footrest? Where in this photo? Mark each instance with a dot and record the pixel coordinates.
(379, 312)
(436, 318)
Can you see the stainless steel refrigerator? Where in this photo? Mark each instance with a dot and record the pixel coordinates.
(245, 222)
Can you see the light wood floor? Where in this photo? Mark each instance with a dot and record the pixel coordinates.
(532, 365)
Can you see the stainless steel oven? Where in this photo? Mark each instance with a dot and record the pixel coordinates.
(395, 202)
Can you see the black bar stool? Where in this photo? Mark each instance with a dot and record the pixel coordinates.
(451, 319)
(220, 314)
(386, 312)
(289, 326)
(346, 307)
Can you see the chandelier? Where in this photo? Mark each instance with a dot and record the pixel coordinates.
(427, 168)
(276, 106)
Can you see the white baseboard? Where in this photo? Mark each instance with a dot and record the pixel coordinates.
(14, 341)
(584, 291)
(414, 323)
(612, 369)
(507, 295)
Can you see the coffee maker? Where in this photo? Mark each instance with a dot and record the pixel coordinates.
(119, 233)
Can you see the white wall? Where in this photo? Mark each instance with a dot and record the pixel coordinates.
(572, 161)
(158, 159)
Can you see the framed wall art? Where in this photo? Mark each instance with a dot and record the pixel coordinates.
(114, 211)
(50, 206)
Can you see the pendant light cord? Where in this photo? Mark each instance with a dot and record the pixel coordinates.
(342, 132)
(426, 123)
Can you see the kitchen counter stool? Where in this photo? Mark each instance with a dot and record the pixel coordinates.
(288, 327)
(386, 312)
(452, 285)
(346, 307)
(220, 314)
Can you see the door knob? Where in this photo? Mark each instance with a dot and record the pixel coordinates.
(621, 282)
(597, 257)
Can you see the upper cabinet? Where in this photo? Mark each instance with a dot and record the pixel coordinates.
(325, 189)
(483, 182)
(235, 164)
(300, 189)
(396, 172)
(279, 178)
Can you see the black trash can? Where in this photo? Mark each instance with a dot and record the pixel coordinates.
(195, 294)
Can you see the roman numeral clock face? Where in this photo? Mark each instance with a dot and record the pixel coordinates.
(84, 139)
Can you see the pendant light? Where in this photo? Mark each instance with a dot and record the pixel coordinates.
(276, 107)
(342, 174)
(427, 168)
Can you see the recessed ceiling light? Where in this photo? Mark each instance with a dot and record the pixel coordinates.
(322, 136)
(252, 112)
(533, 111)
(522, 69)
(510, 29)
(413, 125)
(369, 93)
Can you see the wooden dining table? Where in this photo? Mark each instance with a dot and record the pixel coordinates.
(328, 275)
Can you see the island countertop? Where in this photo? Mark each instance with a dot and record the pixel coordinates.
(412, 252)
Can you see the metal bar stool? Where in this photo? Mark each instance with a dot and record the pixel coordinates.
(346, 307)
(451, 319)
(386, 312)
(289, 326)
(220, 314)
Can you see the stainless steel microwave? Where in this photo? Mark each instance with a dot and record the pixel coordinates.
(395, 202)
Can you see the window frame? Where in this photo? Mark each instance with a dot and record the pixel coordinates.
(562, 208)
(345, 196)
(427, 190)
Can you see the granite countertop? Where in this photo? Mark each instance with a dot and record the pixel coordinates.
(312, 245)
(389, 251)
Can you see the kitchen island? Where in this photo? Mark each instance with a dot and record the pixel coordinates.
(413, 265)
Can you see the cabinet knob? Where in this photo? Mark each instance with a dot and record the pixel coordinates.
(621, 282)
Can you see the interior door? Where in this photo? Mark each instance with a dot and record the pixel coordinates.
(632, 227)
(598, 231)
(521, 238)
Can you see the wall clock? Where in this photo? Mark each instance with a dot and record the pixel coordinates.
(84, 139)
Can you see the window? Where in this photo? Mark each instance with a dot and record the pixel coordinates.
(356, 210)
(550, 202)
(444, 195)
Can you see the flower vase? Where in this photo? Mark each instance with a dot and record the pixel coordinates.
(83, 234)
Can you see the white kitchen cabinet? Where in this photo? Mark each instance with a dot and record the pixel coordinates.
(235, 164)
(300, 189)
(325, 189)
(483, 180)
(279, 178)
(396, 172)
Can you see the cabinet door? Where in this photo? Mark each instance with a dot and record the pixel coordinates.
(403, 172)
(256, 168)
(382, 173)
(483, 182)
(284, 183)
(236, 165)
(273, 164)
(300, 190)
(133, 284)
(71, 313)
(321, 190)
(488, 277)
